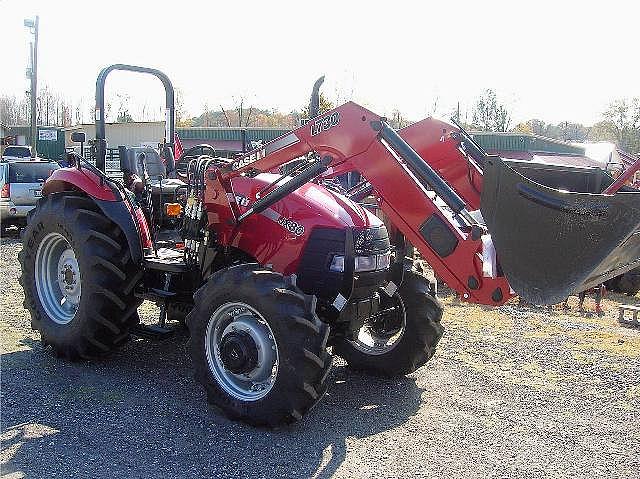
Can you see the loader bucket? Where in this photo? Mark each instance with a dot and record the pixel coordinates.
(551, 242)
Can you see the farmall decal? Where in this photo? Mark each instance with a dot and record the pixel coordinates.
(323, 124)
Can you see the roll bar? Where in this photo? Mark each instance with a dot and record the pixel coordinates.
(101, 141)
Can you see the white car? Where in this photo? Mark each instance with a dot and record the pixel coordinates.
(20, 188)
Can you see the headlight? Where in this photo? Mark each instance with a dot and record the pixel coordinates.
(374, 262)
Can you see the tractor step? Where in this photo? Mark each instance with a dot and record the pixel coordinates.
(152, 331)
(167, 260)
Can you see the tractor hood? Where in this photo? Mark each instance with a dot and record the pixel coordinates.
(285, 227)
(310, 202)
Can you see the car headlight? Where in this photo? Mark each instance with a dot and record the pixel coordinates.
(374, 262)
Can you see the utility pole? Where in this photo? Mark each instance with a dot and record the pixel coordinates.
(32, 25)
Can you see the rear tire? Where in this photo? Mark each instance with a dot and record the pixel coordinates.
(78, 277)
(269, 307)
(405, 344)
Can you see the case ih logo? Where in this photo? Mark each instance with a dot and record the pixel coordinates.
(247, 160)
(325, 123)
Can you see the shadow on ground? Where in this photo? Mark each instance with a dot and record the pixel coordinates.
(140, 414)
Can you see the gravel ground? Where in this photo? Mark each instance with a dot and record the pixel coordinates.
(511, 392)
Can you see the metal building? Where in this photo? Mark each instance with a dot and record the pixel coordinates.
(137, 133)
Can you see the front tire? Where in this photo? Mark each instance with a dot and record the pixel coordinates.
(258, 347)
(78, 277)
(402, 337)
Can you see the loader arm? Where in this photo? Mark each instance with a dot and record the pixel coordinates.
(548, 241)
(424, 208)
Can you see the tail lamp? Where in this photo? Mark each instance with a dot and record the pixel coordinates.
(173, 210)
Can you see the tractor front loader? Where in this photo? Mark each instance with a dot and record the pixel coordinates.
(271, 270)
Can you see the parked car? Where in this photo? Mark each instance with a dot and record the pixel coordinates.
(20, 188)
(19, 152)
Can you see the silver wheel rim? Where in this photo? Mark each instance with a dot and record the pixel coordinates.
(241, 318)
(57, 278)
(372, 341)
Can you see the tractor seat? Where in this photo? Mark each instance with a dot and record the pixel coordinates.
(141, 159)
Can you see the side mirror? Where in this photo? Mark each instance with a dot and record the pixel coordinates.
(78, 137)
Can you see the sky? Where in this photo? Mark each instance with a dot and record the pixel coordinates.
(552, 60)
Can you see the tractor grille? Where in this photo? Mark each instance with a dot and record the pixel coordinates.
(314, 274)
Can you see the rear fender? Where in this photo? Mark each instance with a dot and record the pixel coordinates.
(119, 213)
(113, 207)
(74, 179)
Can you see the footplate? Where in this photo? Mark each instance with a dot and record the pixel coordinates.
(552, 243)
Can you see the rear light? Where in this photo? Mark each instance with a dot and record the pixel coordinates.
(6, 191)
(173, 209)
(145, 236)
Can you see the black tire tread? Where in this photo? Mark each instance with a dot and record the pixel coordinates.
(105, 317)
(300, 334)
(416, 346)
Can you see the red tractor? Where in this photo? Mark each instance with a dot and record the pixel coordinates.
(271, 270)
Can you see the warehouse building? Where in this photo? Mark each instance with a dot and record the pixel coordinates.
(226, 141)
(137, 133)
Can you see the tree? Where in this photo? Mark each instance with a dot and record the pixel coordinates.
(489, 115)
(398, 120)
(564, 131)
(602, 131)
(51, 109)
(325, 106)
(123, 115)
(181, 113)
(622, 123)
(533, 126)
(13, 111)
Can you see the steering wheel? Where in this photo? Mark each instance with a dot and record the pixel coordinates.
(194, 151)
